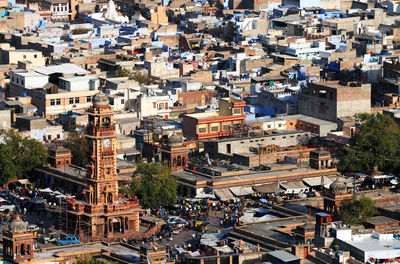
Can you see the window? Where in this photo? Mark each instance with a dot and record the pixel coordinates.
(237, 111)
(122, 101)
(228, 148)
(225, 128)
(71, 100)
(273, 138)
(202, 130)
(269, 126)
(58, 135)
(291, 123)
(154, 105)
(58, 102)
(35, 56)
(214, 129)
(88, 99)
(24, 56)
(279, 125)
(22, 82)
(76, 100)
(52, 102)
(49, 137)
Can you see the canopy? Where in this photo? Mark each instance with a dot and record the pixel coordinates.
(224, 194)
(24, 181)
(47, 190)
(211, 239)
(202, 195)
(6, 207)
(267, 188)
(224, 249)
(241, 191)
(318, 181)
(294, 186)
(57, 193)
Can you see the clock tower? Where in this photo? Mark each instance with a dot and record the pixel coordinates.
(102, 175)
(104, 215)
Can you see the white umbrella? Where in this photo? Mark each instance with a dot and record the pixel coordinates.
(47, 190)
(2, 200)
(57, 193)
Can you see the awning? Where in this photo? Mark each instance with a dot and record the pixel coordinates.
(202, 195)
(24, 181)
(224, 194)
(47, 190)
(294, 186)
(318, 181)
(267, 188)
(241, 191)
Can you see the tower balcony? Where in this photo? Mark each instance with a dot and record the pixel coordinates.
(101, 131)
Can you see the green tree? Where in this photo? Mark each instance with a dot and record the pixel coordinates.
(123, 73)
(78, 144)
(90, 261)
(375, 146)
(357, 211)
(154, 185)
(19, 155)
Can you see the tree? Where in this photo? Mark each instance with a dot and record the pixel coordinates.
(90, 261)
(154, 185)
(78, 144)
(19, 155)
(375, 146)
(357, 211)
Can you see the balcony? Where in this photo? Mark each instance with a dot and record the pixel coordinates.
(101, 131)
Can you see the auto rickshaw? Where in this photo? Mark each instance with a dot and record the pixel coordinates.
(201, 226)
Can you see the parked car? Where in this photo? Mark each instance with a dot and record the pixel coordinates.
(50, 237)
(68, 240)
(176, 221)
(33, 227)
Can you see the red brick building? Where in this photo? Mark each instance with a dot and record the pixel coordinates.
(175, 153)
(193, 99)
(105, 215)
(17, 242)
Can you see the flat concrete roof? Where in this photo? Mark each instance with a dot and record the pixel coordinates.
(118, 249)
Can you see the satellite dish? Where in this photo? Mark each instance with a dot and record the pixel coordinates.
(302, 195)
(394, 182)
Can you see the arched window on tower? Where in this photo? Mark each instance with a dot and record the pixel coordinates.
(183, 161)
(174, 162)
(106, 122)
(126, 223)
(179, 163)
(109, 198)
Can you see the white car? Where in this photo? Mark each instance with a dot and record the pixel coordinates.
(173, 220)
(33, 227)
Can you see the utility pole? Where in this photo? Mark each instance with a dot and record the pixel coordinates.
(259, 156)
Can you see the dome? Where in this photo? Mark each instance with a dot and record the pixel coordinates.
(18, 225)
(338, 187)
(100, 99)
(174, 140)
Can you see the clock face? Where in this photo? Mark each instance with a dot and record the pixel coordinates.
(106, 142)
